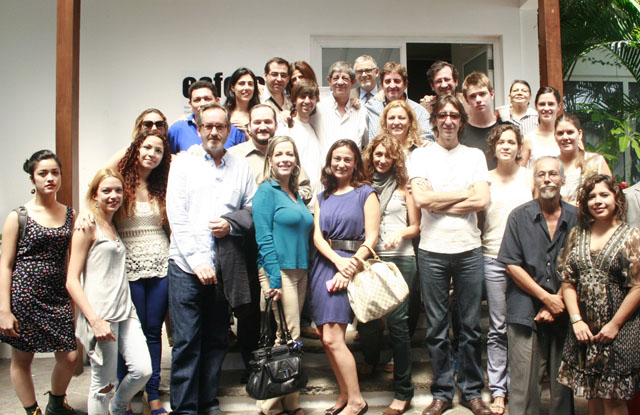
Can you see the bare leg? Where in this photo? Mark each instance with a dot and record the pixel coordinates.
(342, 387)
(63, 371)
(345, 365)
(20, 370)
(614, 407)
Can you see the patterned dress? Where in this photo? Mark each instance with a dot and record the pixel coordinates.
(602, 280)
(39, 298)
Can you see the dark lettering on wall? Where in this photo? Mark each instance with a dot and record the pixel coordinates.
(217, 80)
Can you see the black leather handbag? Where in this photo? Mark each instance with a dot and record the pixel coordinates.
(275, 370)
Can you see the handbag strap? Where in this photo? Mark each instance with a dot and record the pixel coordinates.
(265, 327)
(373, 253)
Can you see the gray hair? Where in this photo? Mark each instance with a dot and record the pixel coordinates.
(342, 66)
(560, 165)
(365, 58)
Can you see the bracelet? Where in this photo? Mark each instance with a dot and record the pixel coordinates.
(575, 318)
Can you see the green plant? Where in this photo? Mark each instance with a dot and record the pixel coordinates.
(619, 134)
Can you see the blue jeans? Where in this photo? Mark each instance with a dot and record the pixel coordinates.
(436, 271)
(199, 321)
(495, 282)
(397, 323)
(150, 297)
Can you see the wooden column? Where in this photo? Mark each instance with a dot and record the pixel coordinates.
(67, 74)
(550, 45)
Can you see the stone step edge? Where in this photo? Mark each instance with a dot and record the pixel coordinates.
(245, 404)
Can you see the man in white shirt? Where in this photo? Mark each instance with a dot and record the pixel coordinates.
(202, 188)
(450, 183)
(337, 117)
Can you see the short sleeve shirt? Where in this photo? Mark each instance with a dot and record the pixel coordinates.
(526, 243)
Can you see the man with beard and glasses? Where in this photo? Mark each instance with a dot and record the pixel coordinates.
(367, 76)
(202, 191)
(536, 318)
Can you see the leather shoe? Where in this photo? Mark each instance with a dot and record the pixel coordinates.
(390, 411)
(437, 407)
(477, 406)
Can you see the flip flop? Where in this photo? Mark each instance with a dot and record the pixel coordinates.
(497, 408)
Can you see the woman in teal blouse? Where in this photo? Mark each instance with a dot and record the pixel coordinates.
(283, 224)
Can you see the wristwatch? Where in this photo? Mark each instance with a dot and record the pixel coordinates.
(575, 318)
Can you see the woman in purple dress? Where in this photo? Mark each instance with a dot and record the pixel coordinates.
(346, 217)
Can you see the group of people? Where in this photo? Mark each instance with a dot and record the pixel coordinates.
(279, 194)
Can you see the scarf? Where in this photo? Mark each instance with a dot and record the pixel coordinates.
(385, 185)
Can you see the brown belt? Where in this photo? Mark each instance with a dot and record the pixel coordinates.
(345, 244)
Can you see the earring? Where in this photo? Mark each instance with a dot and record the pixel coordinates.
(33, 191)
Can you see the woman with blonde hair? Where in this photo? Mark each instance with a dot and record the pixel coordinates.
(107, 322)
(283, 224)
(399, 120)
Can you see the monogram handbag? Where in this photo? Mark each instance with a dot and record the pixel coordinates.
(377, 289)
(275, 370)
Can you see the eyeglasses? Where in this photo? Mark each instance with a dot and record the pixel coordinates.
(150, 124)
(553, 174)
(282, 75)
(210, 127)
(365, 70)
(455, 116)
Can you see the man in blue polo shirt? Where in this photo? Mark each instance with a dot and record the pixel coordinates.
(184, 133)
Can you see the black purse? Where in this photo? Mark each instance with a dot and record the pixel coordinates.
(275, 370)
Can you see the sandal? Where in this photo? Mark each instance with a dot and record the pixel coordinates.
(158, 411)
(497, 408)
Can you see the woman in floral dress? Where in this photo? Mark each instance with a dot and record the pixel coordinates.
(35, 308)
(600, 268)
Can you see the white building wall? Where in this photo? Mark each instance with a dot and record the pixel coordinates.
(135, 54)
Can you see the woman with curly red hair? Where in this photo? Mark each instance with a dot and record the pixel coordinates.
(384, 166)
(145, 168)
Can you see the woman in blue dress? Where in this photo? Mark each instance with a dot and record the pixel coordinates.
(346, 217)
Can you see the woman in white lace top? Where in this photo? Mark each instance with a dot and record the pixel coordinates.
(145, 168)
